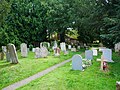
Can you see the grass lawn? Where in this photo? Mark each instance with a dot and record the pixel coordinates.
(63, 78)
(11, 73)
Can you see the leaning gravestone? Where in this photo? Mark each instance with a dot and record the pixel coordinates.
(77, 62)
(24, 50)
(12, 54)
(89, 54)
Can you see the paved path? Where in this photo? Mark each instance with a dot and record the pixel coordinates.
(38, 75)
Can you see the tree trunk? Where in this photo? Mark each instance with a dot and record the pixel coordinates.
(62, 36)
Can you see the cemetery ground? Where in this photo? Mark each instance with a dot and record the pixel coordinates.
(63, 78)
(11, 73)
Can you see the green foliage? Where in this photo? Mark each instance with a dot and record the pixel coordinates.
(4, 9)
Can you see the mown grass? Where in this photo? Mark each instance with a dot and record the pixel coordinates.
(11, 73)
(92, 78)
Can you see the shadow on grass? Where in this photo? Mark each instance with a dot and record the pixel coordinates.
(6, 64)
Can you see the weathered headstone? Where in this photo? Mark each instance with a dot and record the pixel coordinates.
(12, 53)
(37, 52)
(77, 62)
(107, 54)
(69, 46)
(95, 53)
(24, 50)
(57, 52)
(117, 47)
(4, 49)
(73, 49)
(78, 47)
(33, 49)
(89, 54)
(101, 48)
(44, 52)
(63, 46)
(117, 85)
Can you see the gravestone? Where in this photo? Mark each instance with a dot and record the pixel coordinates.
(117, 85)
(57, 52)
(43, 52)
(63, 46)
(2, 54)
(55, 44)
(78, 47)
(89, 54)
(69, 46)
(24, 50)
(95, 53)
(12, 54)
(117, 47)
(4, 49)
(107, 54)
(33, 49)
(77, 62)
(73, 49)
(37, 52)
(101, 48)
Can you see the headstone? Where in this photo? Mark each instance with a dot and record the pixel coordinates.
(78, 47)
(33, 49)
(69, 46)
(37, 52)
(117, 85)
(107, 54)
(117, 47)
(24, 50)
(89, 54)
(101, 48)
(57, 52)
(63, 46)
(95, 53)
(55, 44)
(44, 52)
(77, 62)
(4, 49)
(73, 49)
(12, 53)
